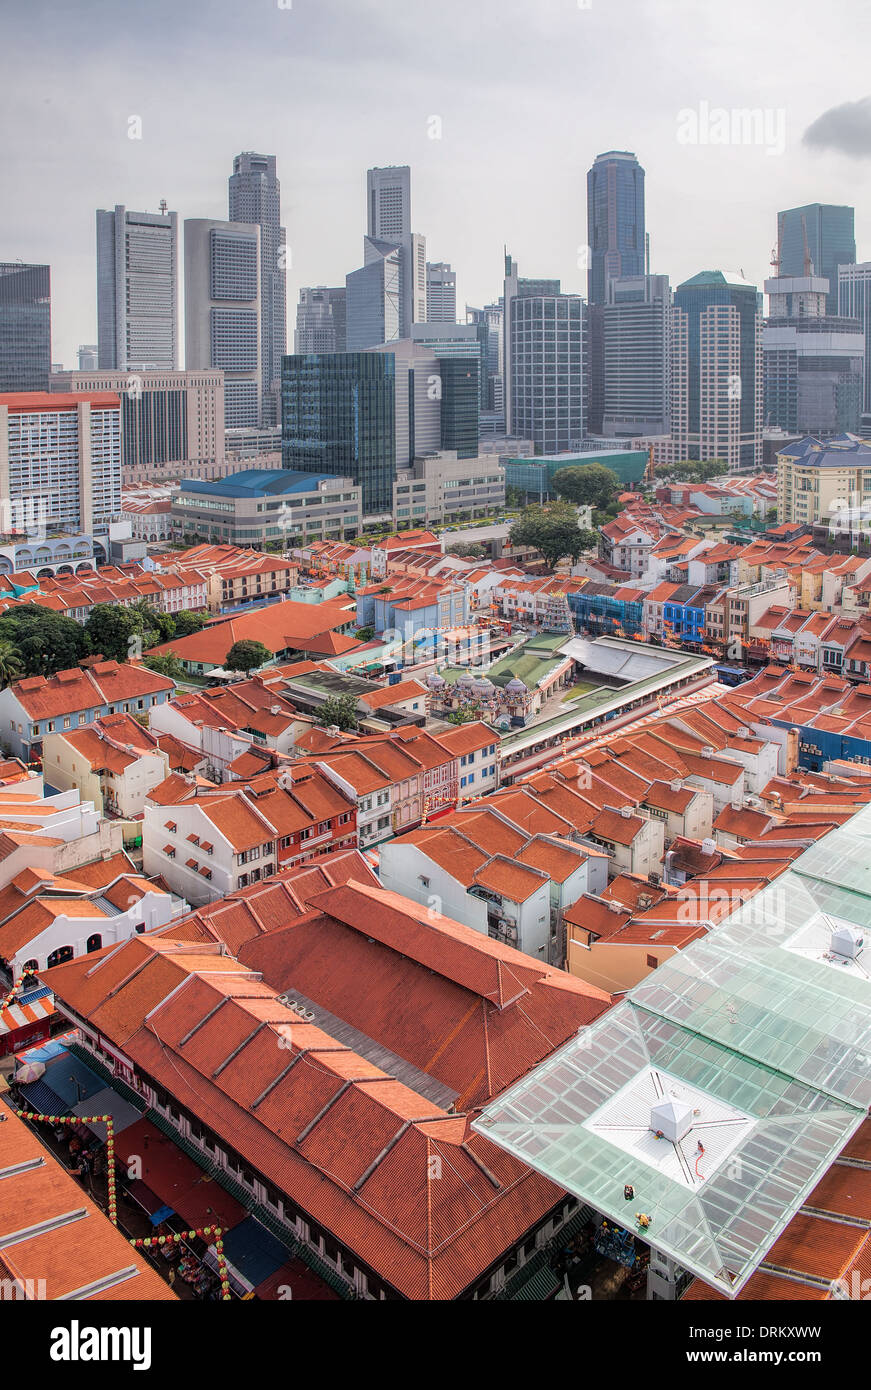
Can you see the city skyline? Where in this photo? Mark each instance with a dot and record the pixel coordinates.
(471, 145)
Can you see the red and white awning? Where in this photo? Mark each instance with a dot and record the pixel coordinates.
(17, 1016)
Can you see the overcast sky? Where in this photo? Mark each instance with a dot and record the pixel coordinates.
(528, 92)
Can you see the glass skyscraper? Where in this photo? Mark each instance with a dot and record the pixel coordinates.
(338, 417)
(25, 326)
(615, 220)
(822, 234)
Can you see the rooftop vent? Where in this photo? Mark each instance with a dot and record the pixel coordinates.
(709, 846)
(673, 1119)
(847, 942)
(676, 785)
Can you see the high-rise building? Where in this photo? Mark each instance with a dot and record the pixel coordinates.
(457, 340)
(365, 414)
(388, 202)
(222, 285)
(172, 423)
(60, 461)
(137, 290)
(373, 298)
(255, 197)
(25, 326)
(88, 357)
(321, 320)
(814, 362)
(388, 293)
(441, 293)
(543, 380)
(338, 416)
(717, 351)
(854, 302)
(636, 332)
(490, 319)
(815, 240)
(615, 220)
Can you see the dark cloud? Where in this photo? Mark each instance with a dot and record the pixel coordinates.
(846, 129)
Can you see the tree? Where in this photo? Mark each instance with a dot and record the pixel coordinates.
(44, 640)
(553, 531)
(116, 633)
(11, 665)
(587, 485)
(364, 634)
(187, 622)
(339, 711)
(166, 666)
(467, 715)
(247, 656)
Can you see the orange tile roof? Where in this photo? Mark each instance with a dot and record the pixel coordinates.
(68, 1255)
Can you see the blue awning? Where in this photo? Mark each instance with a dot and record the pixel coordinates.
(43, 1099)
(252, 1252)
(72, 1080)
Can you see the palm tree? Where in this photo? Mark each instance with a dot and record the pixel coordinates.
(11, 665)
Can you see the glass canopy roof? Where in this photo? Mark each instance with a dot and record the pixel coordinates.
(762, 1016)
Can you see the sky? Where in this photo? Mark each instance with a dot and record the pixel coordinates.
(520, 95)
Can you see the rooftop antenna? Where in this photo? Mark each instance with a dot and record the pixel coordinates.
(163, 207)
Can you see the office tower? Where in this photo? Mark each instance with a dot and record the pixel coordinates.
(854, 302)
(373, 298)
(514, 288)
(814, 362)
(338, 416)
(255, 197)
(343, 415)
(172, 423)
(388, 202)
(815, 240)
(25, 326)
(321, 320)
(460, 406)
(137, 290)
(615, 220)
(460, 340)
(60, 461)
(88, 357)
(222, 284)
(490, 319)
(543, 379)
(388, 293)
(441, 293)
(636, 319)
(718, 330)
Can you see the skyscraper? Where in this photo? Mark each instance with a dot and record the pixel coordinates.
(373, 297)
(25, 326)
(222, 311)
(717, 352)
(365, 414)
(815, 240)
(615, 220)
(255, 197)
(854, 302)
(814, 362)
(321, 320)
(388, 202)
(441, 293)
(88, 357)
(636, 320)
(388, 293)
(338, 416)
(543, 344)
(137, 290)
